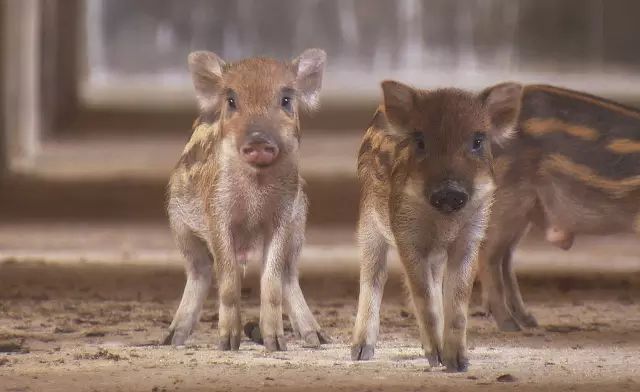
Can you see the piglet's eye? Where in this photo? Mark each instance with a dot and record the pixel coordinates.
(285, 102)
(478, 142)
(231, 102)
(418, 138)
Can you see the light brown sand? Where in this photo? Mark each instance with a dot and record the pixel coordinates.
(88, 329)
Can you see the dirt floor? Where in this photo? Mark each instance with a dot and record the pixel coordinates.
(92, 328)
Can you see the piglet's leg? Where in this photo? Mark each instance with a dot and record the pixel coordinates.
(302, 320)
(271, 282)
(229, 279)
(424, 275)
(299, 313)
(494, 296)
(500, 291)
(198, 265)
(458, 284)
(373, 276)
(513, 294)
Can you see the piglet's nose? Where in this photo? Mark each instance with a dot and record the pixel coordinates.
(259, 150)
(448, 200)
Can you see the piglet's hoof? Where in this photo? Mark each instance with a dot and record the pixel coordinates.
(271, 343)
(314, 339)
(434, 357)
(229, 343)
(362, 352)
(275, 343)
(457, 364)
(324, 338)
(528, 320)
(508, 325)
(311, 340)
(168, 339)
(175, 338)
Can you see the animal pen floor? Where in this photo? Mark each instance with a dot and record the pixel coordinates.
(88, 318)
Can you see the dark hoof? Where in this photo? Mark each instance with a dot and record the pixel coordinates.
(252, 331)
(362, 352)
(458, 364)
(529, 321)
(509, 325)
(275, 343)
(434, 358)
(168, 340)
(324, 338)
(175, 339)
(229, 343)
(311, 340)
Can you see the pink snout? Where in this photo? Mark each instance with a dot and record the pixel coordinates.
(259, 153)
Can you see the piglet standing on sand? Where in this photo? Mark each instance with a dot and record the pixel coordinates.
(237, 189)
(425, 169)
(571, 168)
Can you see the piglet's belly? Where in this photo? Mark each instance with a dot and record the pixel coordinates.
(247, 243)
(563, 239)
(571, 209)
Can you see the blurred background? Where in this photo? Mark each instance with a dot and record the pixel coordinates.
(96, 105)
(97, 102)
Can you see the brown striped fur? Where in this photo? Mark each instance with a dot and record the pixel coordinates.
(574, 169)
(222, 208)
(539, 127)
(624, 146)
(419, 142)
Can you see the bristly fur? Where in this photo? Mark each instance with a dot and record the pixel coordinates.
(560, 172)
(223, 206)
(419, 142)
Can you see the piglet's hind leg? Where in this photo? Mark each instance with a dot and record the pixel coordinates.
(199, 272)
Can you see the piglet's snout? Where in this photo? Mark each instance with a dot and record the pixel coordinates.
(449, 198)
(259, 150)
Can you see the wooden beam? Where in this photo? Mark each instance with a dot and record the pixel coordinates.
(3, 130)
(21, 85)
(60, 46)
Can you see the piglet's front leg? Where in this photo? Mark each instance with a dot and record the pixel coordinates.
(373, 276)
(458, 284)
(424, 278)
(229, 288)
(271, 325)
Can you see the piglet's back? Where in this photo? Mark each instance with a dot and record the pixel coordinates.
(594, 141)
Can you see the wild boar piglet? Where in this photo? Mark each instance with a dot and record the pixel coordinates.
(425, 169)
(572, 167)
(237, 190)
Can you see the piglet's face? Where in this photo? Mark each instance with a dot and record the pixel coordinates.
(450, 133)
(257, 101)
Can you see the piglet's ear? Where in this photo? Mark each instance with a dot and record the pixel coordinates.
(503, 102)
(399, 101)
(206, 72)
(309, 67)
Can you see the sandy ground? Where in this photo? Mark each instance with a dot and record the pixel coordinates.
(92, 328)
